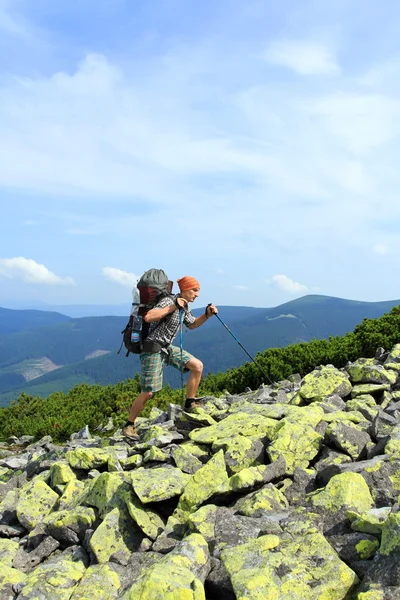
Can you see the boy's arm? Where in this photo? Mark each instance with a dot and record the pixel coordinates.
(156, 314)
(209, 312)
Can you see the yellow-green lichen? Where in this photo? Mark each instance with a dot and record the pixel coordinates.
(149, 521)
(346, 490)
(204, 483)
(36, 500)
(156, 485)
(8, 551)
(302, 567)
(367, 548)
(99, 582)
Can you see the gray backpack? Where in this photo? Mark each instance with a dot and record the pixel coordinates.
(153, 285)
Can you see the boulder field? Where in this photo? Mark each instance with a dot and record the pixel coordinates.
(287, 492)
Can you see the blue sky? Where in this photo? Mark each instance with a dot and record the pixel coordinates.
(253, 145)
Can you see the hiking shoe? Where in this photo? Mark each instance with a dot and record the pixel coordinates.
(195, 403)
(129, 431)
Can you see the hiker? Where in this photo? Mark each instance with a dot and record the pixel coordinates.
(157, 349)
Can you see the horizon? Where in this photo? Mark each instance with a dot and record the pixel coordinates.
(81, 310)
(252, 146)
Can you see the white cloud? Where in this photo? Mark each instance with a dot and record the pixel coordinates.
(31, 272)
(380, 249)
(284, 283)
(119, 276)
(9, 23)
(241, 288)
(304, 57)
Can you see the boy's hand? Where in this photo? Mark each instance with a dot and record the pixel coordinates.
(211, 310)
(180, 302)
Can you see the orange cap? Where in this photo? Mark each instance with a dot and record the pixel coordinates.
(187, 283)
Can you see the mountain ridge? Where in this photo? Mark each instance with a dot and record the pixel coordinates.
(65, 347)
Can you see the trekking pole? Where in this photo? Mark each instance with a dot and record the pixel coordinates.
(243, 348)
(181, 345)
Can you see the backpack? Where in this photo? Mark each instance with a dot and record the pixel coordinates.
(151, 287)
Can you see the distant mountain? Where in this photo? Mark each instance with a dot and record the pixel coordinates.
(13, 321)
(61, 355)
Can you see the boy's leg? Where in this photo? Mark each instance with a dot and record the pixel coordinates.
(195, 368)
(150, 382)
(138, 404)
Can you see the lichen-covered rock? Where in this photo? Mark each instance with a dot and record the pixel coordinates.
(61, 473)
(72, 494)
(105, 492)
(234, 529)
(354, 547)
(245, 424)
(361, 389)
(8, 551)
(324, 381)
(184, 460)
(204, 483)
(36, 500)
(132, 462)
(155, 454)
(252, 477)
(116, 534)
(200, 451)
(240, 452)
(8, 511)
(367, 370)
(149, 521)
(8, 578)
(372, 521)
(69, 526)
(267, 499)
(203, 521)
(52, 580)
(166, 582)
(88, 458)
(347, 491)
(300, 567)
(348, 439)
(297, 442)
(156, 485)
(390, 540)
(100, 582)
(178, 576)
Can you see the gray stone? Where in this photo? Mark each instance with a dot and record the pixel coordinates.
(27, 561)
(218, 583)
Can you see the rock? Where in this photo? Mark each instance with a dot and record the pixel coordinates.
(204, 483)
(324, 381)
(116, 533)
(302, 565)
(344, 492)
(36, 500)
(149, 521)
(348, 439)
(218, 583)
(69, 526)
(27, 561)
(53, 580)
(184, 460)
(180, 574)
(297, 441)
(354, 546)
(367, 370)
(156, 485)
(8, 551)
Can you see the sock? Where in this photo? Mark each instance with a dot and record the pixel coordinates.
(129, 423)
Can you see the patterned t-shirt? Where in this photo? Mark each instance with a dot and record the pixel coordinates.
(164, 331)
